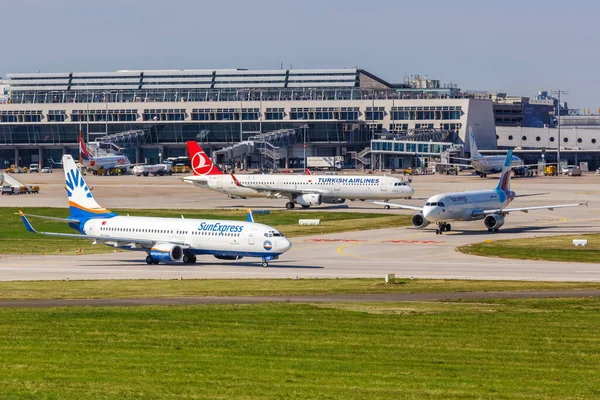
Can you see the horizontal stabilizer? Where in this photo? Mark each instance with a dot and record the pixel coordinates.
(68, 220)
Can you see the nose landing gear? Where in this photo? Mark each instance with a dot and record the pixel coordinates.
(443, 226)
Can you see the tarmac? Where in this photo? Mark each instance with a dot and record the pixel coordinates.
(407, 252)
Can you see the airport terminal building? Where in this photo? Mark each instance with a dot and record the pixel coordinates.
(150, 114)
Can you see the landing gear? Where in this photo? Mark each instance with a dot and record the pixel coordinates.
(289, 205)
(265, 264)
(305, 207)
(443, 226)
(150, 260)
(387, 207)
(189, 259)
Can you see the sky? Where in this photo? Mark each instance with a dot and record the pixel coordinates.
(516, 47)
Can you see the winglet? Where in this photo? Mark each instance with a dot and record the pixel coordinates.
(26, 222)
(249, 216)
(308, 172)
(237, 183)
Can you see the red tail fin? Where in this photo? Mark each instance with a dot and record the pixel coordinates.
(83, 152)
(201, 163)
(308, 172)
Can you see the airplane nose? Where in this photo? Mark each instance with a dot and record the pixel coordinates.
(411, 191)
(428, 213)
(285, 245)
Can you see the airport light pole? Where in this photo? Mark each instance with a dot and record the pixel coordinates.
(558, 93)
(304, 128)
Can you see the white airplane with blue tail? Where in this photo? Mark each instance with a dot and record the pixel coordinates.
(163, 239)
(487, 205)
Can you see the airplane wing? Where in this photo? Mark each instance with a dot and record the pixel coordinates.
(531, 194)
(120, 241)
(277, 190)
(403, 206)
(526, 209)
(195, 179)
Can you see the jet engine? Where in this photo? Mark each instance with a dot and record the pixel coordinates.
(419, 221)
(333, 200)
(224, 257)
(308, 199)
(166, 252)
(493, 221)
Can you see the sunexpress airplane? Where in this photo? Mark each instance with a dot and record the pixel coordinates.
(163, 239)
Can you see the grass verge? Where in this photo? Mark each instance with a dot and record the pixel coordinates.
(104, 289)
(510, 349)
(552, 248)
(15, 239)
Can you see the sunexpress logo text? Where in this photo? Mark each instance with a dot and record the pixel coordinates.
(221, 228)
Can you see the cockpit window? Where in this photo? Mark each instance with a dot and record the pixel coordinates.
(428, 204)
(273, 234)
(441, 204)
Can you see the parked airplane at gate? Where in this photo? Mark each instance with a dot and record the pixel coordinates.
(488, 164)
(488, 205)
(105, 163)
(305, 190)
(163, 239)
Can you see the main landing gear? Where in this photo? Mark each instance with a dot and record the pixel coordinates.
(189, 259)
(265, 264)
(443, 226)
(289, 205)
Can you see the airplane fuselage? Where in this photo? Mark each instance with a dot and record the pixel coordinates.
(330, 187)
(200, 236)
(106, 162)
(493, 164)
(462, 206)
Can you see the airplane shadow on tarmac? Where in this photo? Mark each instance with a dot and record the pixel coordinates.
(255, 264)
(545, 229)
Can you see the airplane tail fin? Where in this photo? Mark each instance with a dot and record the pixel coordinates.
(473, 145)
(308, 172)
(83, 151)
(504, 182)
(82, 205)
(201, 163)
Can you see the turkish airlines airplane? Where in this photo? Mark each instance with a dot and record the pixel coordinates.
(163, 239)
(305, 190)
(488, 205)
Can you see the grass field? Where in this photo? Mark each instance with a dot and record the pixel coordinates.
(518, 349)
(14, 238)
(104, 289)
(553, 248)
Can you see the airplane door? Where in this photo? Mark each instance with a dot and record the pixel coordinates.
(336, 186)
(383, 184)
(252, 236)
(219, 183)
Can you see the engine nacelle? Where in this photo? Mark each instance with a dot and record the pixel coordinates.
(166, 252)
(419, 221)
(224, 257)
(308, 199)
(333, 200)
(493, 221)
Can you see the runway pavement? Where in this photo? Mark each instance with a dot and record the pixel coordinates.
(404, 251)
